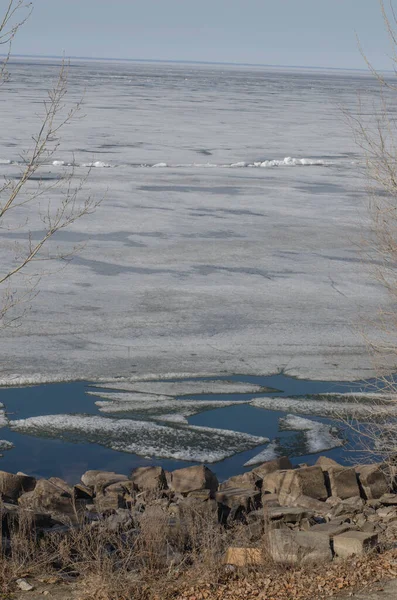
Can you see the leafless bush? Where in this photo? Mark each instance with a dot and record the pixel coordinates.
(27, 197)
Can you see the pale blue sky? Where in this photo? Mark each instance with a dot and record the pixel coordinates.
(279, 32)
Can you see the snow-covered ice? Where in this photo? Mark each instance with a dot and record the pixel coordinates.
(338, 407)
(210, 262)
(160, 405)
(318, 436)
(269, 453)
(6, 445)
(182, 388)
(191, 443)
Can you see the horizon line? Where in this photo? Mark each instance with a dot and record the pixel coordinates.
(192, 62)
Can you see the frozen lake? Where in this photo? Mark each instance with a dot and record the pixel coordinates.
(227, 248)
(226, 257)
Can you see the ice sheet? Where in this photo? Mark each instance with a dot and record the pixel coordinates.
(196, 269)
(201, 444)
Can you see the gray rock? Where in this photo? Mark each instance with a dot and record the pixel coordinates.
(24, 586)
(195, 478)
(120, 520)
(100, 479)
(325, 463)
(288, 514)
(246, 480)
(278, 464)
(150, 479)
(235, 498)
(272, 482)
(50, 498)
(354, 543)
(343, 482)
(299, 547)
(316, 506)
(308, 481)
(331, 528)
(12, 486)
(388, 499)
(373, 480)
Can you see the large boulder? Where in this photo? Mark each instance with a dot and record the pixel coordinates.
(307, 481)
(191, 479)
(325, 463)
(270, 466)
(98, 480)
(246, 480)
(352, 543)
(48, 497)
(288, 514)
(342, 482)
(149, 479)
(12, 486)
(373, 480)
(248, 499)
(272, 482)
(332, 528)
(234, 504)
(298, 547)
(112, 497)
(316, 506)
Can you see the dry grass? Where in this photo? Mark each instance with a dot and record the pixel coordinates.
(166, 557)
(150, 558)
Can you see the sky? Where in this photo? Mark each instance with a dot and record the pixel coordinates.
(318, 33)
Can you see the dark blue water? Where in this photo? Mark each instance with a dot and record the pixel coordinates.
(48, 457)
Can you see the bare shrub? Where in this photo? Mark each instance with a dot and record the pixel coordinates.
(28, 200)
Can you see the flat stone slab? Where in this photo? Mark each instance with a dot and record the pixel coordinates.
(234, 497)
(332, 529)
(354, 543)
(289, 514)
(299, 547)
(388, 499)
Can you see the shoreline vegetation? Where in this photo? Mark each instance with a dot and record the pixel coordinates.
(274, 532)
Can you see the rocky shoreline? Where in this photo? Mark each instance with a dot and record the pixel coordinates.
(307, 514)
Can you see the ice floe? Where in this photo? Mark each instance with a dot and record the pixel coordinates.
(187, 388)
(157, 405)
(338, 407)
(6, 445)
(193, 443)
(3, 417)
(318, 436)
(269, 453)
